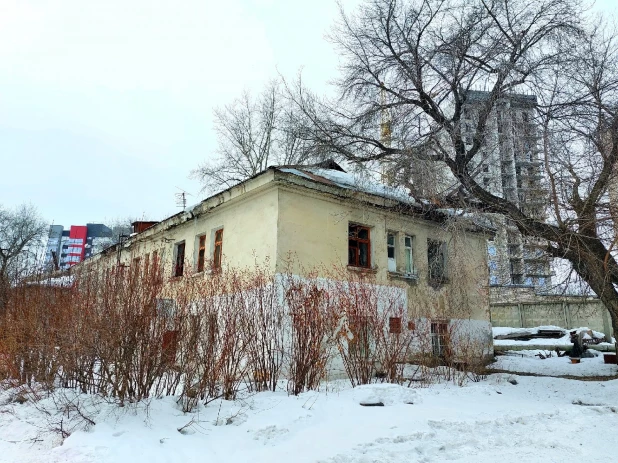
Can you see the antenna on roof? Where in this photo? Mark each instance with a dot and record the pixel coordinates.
(181, 198)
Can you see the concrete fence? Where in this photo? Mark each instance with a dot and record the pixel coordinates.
(565, 314)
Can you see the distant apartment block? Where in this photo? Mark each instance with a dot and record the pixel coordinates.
(67, 247)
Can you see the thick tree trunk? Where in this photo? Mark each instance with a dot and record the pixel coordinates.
(613, 200)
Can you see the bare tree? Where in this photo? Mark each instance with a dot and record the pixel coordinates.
(421, 60)
(253, 133)
(21, 230)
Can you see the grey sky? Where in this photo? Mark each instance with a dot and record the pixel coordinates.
(105, 107)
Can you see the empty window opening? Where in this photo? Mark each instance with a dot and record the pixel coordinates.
(436, 256)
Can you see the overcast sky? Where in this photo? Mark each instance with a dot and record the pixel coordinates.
(106, 106)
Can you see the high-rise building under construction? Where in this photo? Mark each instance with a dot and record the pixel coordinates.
(509, 166)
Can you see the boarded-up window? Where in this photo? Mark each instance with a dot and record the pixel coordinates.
(147, 264)
(169, 346)
(411, 326)
(394, 325)
(201, 253)
(359, 246)
(218, 250)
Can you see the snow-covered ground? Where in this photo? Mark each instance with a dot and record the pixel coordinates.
(537, 419)
(507, 417)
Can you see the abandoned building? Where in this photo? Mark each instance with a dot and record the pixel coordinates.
(323, 217)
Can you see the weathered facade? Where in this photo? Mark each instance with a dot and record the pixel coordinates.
(317, 218)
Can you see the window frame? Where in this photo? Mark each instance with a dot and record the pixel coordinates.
(217, 250)
(136, 264)
(439, 338)
(356, 262)
(393, 246)
(179, 263)
(201, 253)
(411, 270)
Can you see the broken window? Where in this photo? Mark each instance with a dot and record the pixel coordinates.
(218, 249)
(179, 261)
(436, 256)
(201, 253)
(408, 256)
(390, 249)
(439, 338)
(359, 246)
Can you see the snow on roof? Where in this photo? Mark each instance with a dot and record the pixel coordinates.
(349, 181)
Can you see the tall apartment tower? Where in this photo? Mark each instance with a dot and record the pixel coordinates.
(510, 166)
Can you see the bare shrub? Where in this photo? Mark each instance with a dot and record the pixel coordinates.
(313, 320)
(265, 328)
(365, 343)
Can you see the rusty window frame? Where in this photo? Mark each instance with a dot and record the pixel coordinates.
(201, 253)
(354, 251)
(218, 249)
(179, 259)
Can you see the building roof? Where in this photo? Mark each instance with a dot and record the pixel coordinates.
(331, 175)
(334, 175)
